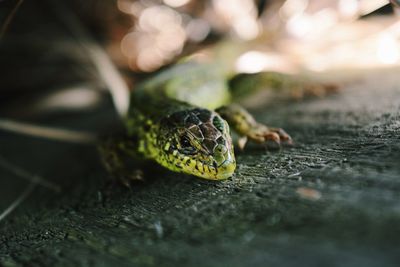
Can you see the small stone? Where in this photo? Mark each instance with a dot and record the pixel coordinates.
(308, 193)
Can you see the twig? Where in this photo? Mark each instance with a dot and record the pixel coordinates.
(107, 70)
(34, 181)
(47, 132)
(10, 18)
(28, 190)
(5, 164)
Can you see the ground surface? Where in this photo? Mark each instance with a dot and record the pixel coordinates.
(332, 200)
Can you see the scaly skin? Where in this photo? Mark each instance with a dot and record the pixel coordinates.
(167, 117)
(171, 121)
(171, 117)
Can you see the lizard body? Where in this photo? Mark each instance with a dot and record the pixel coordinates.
(181, 118)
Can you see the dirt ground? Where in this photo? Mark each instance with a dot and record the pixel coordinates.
(331, 200)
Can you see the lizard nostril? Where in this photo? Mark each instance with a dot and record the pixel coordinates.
(221, 149)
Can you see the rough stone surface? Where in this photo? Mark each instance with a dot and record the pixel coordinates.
(331, 200)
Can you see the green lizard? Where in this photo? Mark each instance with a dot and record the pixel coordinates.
(181, 118)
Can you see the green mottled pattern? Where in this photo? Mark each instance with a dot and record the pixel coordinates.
(172, 118)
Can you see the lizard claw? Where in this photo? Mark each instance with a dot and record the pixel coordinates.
(126, 179)
(262, 134)
(282, 136)
(272, 136)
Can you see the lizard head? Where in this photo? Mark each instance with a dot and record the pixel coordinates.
(197, 142)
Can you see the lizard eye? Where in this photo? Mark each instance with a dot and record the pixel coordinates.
(186, 146)
(184, 141)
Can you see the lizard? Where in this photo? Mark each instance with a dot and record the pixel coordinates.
(182, 119)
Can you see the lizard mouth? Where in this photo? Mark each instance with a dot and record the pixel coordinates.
(226, 169)
(210, 172)
(221, 167)
(209, 169)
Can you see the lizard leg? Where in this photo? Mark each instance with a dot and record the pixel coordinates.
(248, 128)
(117, 155)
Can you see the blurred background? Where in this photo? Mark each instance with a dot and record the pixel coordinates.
(51, 61)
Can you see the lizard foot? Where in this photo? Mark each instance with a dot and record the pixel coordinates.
(126, 179)
(261, 134)
(247, 127)
(117, 160)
